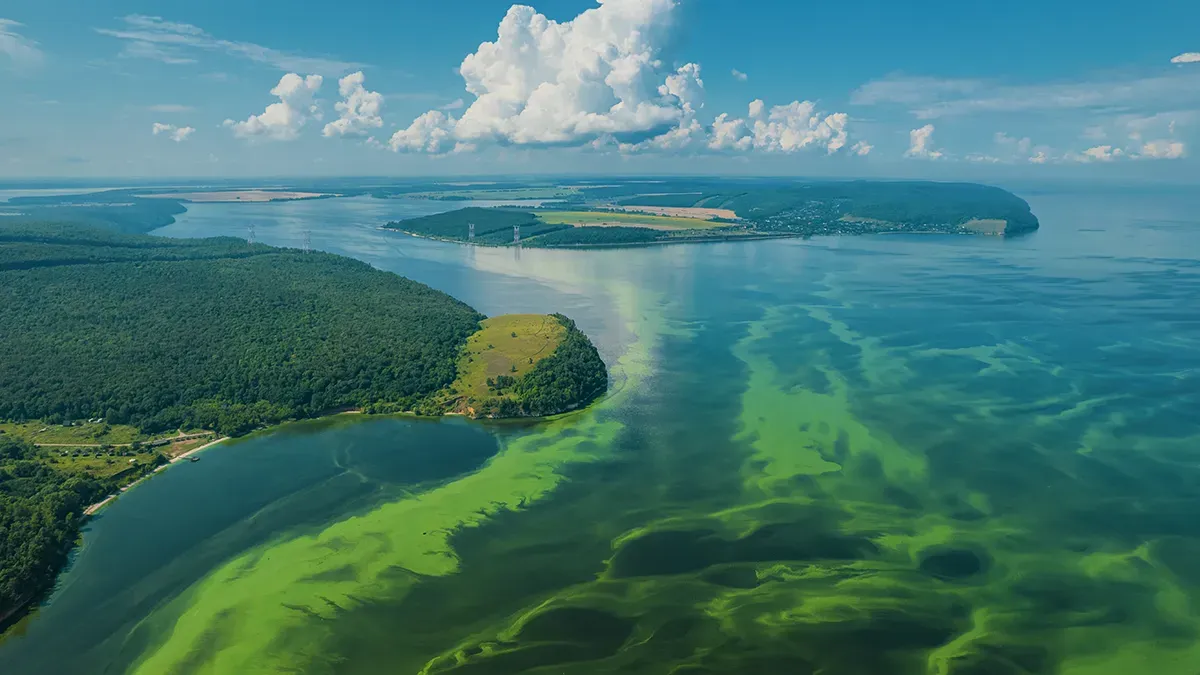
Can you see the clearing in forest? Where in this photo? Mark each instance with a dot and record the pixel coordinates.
(510, 345)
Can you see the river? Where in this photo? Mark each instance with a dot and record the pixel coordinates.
(895, 454)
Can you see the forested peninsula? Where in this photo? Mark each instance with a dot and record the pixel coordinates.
(711, 210)
(162, 335)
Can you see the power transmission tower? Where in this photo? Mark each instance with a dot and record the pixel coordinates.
(471, 232)
(516, 234)
(307, 241)
(250, 233)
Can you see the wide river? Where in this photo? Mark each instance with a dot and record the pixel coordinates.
(846, 456)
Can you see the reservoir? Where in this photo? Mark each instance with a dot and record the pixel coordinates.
(941, 455)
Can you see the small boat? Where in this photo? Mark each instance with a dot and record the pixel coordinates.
(193, 458)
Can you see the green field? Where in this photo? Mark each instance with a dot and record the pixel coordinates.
(506, 345)
(82, 433)
(610, 219)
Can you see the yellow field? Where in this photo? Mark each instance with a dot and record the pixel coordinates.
(606, 219)
(493, 351)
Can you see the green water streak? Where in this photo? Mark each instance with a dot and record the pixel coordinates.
(269, 609)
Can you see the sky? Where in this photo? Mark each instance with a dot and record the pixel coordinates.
(873, 88)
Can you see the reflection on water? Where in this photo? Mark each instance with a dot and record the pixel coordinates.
(942, 455)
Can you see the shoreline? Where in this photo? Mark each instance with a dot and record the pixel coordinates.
(91, 510)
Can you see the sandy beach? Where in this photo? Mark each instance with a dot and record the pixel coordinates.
(98, 505)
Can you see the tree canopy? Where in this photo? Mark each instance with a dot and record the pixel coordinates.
(213, 333)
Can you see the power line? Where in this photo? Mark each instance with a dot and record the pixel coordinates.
(307, 241)
(250, 233)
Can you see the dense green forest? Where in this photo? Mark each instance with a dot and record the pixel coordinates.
(573, 376)
(119, 210)
(819, 208)
(213, 333)
(40, 512)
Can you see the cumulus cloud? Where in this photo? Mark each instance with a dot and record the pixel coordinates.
(358, 111)
(22, 52)
(920, 142)
(862, 148)
(177, 134)
(739, 75)
(599, 80)
(152, 37)
(784, 128)
(1164, 149)
(1099, 153)
(1039, 157)
(1187, 57)
(282, 121)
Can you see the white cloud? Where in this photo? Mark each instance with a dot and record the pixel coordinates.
(542, 82)
(862, 148)
(168, 41)
(739, 75)
(599, 80)
(920, 142)
(1039, 157)
(358, 110)
(785, 128)
(983, 159)
(170, 108)
(932, 98)
(1187, 57)
(1021, 145)
(282, 121)
(1164, 149)
(1099, 153)
(432, 132)
(456, 104)
(20, 50)
(177, 134)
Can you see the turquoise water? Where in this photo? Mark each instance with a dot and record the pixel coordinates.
(894, 454)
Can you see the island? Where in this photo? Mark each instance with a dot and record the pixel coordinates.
(134, 350)
(674, 212)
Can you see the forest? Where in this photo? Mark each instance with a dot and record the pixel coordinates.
(40, 513)
(216, 333)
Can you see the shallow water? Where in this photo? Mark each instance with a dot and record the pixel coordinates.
(866, 455)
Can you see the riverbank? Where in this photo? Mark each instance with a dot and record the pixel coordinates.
(91, 510)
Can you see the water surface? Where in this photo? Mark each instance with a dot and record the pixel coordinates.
(900, 454)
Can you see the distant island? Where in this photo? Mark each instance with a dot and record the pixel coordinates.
(133, 348)
(671, 212)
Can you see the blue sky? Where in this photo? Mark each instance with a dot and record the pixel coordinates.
(853, 88)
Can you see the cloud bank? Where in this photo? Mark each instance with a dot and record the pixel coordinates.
(600, 80)
(282, 121)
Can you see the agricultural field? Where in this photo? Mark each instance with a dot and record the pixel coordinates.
(609, 219)
(506, 345)
(96, 462)
(696, 212)
(79, 434)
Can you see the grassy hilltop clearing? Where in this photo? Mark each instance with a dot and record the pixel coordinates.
(526, 364)
(133, 349)
(706, 211)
